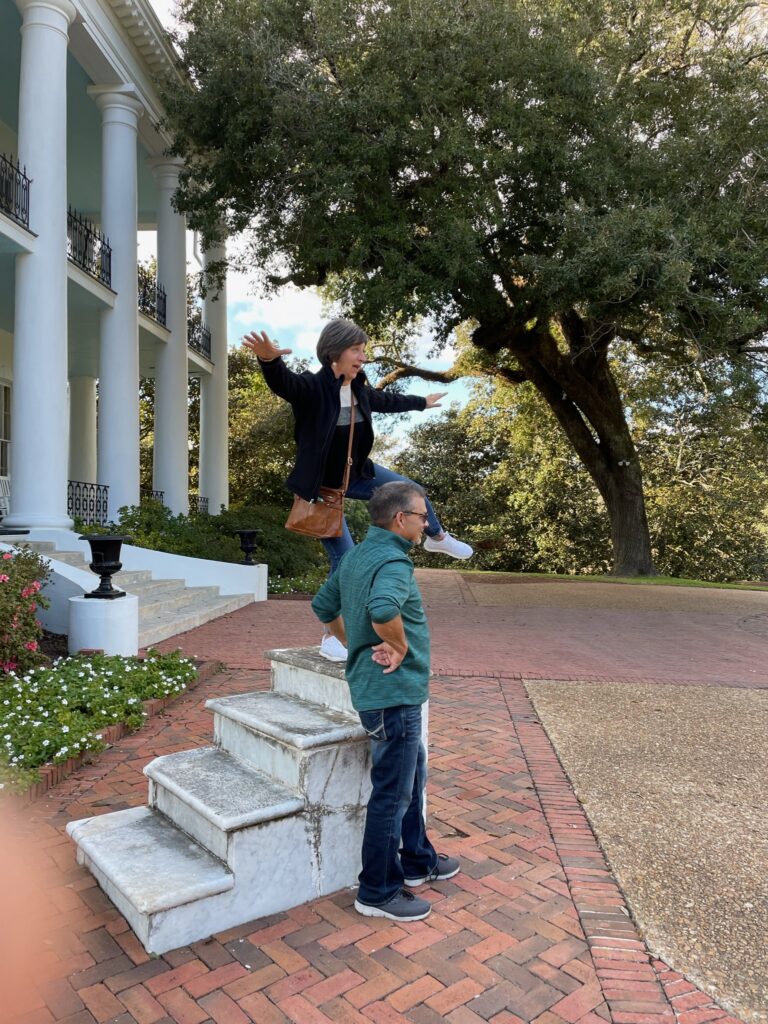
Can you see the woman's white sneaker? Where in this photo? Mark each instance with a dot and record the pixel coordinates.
(332, 649)
(448, 545)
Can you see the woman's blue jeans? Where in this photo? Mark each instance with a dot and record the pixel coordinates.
(362, 490)
(398, 778)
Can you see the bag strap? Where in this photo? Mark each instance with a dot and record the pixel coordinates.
(352, 418)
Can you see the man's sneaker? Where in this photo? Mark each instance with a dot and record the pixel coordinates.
(448, 545)
(446, 867)
(403, 906)
(332, 649)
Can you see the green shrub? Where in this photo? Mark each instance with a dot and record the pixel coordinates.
(290, 557)
(22, 575)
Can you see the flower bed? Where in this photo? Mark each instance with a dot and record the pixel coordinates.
(53, 715)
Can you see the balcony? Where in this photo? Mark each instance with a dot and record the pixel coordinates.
(199, 337)
(151, 297)
(88, 248)
(14, 191)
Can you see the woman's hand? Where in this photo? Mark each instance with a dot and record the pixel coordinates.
(261, 346)
(433, 401)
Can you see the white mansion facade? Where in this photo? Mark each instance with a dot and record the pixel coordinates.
(82, 170)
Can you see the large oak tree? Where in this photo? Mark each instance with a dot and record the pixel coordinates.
(558, 175)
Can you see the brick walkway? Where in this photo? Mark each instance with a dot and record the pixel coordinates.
(533, 929)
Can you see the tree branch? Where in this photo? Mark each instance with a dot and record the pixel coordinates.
(404, 370)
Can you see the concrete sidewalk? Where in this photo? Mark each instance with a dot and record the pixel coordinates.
(535, 928)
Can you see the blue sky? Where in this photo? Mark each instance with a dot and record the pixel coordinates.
(295, 317)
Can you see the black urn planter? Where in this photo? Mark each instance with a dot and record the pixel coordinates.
(105, 562)
(248, 544)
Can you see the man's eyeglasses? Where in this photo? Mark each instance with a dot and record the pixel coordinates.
(423, 516)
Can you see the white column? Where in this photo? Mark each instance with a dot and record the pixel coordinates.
(118, 450)
(39, 453)
(214, 399)
(171, 456)
(82, 429)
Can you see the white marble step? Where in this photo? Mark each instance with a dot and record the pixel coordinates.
(302, 672)
(172, 600)
(197, 614)
(147, 867)
(210, 794)
(307, 747)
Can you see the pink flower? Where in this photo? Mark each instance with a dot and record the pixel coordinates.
(4, 578)
(8, 666)
(31, 645)
(7, 555)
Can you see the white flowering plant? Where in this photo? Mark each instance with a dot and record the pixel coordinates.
(23, 574)
(50, 714)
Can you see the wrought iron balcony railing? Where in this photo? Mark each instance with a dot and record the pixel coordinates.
(198, 505)
(88, 502)
(199, 337)
(14, 191)
(147, 493)
(88, 248)
(151, 296)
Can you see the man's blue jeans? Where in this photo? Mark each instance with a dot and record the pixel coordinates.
(398, 777)
(361, 490)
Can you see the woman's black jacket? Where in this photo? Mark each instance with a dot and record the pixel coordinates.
(315, 401)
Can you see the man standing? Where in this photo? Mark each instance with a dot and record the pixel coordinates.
(372, 605)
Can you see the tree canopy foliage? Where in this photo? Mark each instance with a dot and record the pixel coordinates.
(563, 177)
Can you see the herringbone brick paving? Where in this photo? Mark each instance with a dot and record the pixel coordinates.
(533, 930)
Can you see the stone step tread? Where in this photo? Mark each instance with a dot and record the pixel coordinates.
(289, 720)
(164, 626)
(148, 587)
(226, 792)
(308, 658)
(184, 596)
(152, 863)
(129, 577)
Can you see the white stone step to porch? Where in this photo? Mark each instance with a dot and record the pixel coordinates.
(166, 607)
(187, 788)
(308, 747)
(204, 610)
(170, 599)
(149, 868)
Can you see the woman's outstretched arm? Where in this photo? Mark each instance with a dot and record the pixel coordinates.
(284, 382)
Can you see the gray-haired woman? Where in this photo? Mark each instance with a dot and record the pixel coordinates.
(323, 404)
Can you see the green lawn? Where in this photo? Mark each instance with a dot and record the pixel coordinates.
(657, 581)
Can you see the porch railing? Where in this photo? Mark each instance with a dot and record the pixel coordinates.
(88, 502)
(198, 504)
(151, 296)
(199, 338)
(88, 248)
(147, 493)
(14, 191)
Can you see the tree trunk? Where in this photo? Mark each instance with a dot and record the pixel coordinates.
(629, 526)
(580, 390)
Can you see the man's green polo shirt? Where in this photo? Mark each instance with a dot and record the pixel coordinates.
(375, 582)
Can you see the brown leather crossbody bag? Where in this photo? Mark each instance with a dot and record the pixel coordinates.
(324, 515)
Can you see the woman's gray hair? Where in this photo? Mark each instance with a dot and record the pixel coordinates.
(391, 498)
(336, 337)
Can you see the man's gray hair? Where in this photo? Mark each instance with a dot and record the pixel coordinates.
(336, 337)
(391, 498)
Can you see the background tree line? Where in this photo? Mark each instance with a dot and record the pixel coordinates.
(505, 478)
